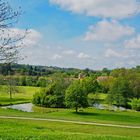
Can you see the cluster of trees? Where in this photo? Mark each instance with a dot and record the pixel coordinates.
(54, 94)
(30, 70)
(122, 87)
(64, 92)
(25, 81)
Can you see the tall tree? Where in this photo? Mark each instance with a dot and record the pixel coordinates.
(76, 96)
(10, 38)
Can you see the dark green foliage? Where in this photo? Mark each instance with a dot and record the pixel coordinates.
(52, 96)
(120, 92)
(76, 95)
(135, 104)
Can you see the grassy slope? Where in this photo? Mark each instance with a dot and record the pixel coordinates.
(40, 130)
(23, 97)
(89, 115)
(43, 130)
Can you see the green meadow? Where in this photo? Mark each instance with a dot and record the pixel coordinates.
(24, 95)
(15, 129)
(44, 130)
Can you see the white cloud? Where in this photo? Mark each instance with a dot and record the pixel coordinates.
(108, 31)
(32, 36)
(69, 52)
(111, 53)
(100, 8)
(133, 43)
(121, 54)
(56, 56)
(83, 55)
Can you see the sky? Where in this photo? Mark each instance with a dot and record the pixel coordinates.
(83, 34)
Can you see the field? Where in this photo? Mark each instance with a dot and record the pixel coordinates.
(44, 130)
(25, 95)
(16, 129)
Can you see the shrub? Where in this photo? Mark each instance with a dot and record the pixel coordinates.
(135, 104)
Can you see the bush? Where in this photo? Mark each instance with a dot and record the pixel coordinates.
(135, 104)
(53, 96)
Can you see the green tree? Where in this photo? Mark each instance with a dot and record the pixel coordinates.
(54, 94)
(120, 92)
(135, 104)
(76, 96)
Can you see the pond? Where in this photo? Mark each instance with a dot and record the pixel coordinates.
(28, 107)
(111, 107)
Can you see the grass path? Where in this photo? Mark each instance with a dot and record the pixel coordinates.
(74, 122)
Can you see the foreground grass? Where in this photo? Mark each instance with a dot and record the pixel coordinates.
(88, 115)
(25, 95)
(44, 130)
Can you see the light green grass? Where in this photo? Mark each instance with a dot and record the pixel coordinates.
(88, 115)
(25, 95)
(100, 96)
(44, 130)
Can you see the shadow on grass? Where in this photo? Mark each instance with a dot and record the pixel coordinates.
(86, 114)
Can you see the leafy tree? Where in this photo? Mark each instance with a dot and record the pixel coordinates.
(105, 83)
(76, 96)
(54, 94)
(42, 82)
(135, 104)
(11, 87)
(120, 92)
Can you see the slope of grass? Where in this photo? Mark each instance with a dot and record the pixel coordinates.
(88, 115)
(43, 130)
(25, 95)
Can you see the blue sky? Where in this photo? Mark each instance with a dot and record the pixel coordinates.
(83, 34)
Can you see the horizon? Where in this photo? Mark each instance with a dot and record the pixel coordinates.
(79, 34)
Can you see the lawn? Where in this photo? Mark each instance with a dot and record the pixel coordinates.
(87, 115)
(25, 95)
(14, 129)
(44, 130)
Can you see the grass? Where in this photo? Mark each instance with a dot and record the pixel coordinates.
(100, 97)
(88, 115)
(44, 130)
(25, 95)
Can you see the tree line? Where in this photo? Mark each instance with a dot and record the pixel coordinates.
(122, 87)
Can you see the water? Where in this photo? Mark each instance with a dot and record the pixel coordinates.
(111, 107)
(28, 107)
(22, 107)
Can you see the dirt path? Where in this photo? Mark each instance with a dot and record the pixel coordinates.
(74, 122)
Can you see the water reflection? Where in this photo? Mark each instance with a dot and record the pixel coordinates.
(111, 107)
(28, 107)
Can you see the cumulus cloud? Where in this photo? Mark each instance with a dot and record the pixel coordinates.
(83, 55)
(69, 52)
(111, 53)
(133, 43)
(31, 39)
(108, 31)
(32, 36)
(56, 56)
(100, 8)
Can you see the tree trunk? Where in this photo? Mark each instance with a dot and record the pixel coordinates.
(10, 94)
(76, 109)
(10, 82)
